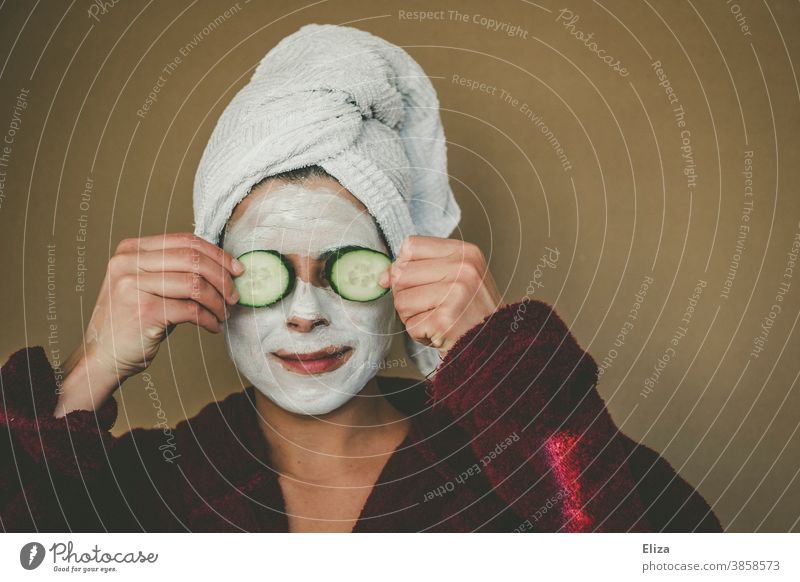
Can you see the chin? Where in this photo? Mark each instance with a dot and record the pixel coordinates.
(316, 407)
(311, 394)
(314, 394)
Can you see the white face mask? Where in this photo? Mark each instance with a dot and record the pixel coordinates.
(295, 220)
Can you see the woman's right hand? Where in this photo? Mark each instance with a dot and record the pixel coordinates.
(151, 285)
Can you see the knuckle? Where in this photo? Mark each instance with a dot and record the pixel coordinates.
(401, 302)
(470, 274)
(195, 241)
(414, 325)
(191, 256)
(125, 245)
(441, 319)
(462, 290)
(196, 284)
(194, 280)
(473, 252)
(194, 309)
(403, 315)
(125, 283)
(116, 264)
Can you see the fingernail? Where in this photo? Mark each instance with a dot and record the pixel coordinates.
(234, 297)
(383, 280)
(238, 267)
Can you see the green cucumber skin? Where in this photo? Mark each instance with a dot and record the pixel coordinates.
(331, 261)
(289, 287)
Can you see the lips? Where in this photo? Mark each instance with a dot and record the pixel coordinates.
(318, 362)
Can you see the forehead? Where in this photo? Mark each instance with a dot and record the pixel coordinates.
(307, 218)
(315, 183)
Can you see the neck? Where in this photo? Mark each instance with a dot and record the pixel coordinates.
(363, 431)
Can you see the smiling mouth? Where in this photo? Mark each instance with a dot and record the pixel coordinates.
(319, 362)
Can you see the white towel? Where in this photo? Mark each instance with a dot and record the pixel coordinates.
(352, 103)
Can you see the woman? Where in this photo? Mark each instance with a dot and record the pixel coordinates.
(508, 433)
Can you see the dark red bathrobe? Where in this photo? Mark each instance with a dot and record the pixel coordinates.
(510, 434)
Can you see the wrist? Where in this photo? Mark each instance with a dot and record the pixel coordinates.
(87, 384)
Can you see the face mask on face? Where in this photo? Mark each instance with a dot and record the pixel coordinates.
(277, 348)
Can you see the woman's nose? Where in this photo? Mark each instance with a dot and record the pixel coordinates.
(305, 311)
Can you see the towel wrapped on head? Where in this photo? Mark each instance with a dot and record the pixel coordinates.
(357, 106)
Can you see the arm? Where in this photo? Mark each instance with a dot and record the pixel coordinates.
(520, 375)
(516, 380)
(71, 473)
(672, 505)
(59, 464)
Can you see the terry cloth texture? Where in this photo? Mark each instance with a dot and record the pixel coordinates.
(510, 435)
(352, 103)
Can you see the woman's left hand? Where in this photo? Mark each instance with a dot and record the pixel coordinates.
(442, 288)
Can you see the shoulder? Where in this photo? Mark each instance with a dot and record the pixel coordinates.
(219, 422)
(520, 345)
(528, 326)
(207, 437)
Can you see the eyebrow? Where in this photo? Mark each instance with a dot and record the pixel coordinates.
(327, 251)
(255, 244)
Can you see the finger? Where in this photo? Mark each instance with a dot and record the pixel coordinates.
(424, 328)
(428, 247)
(385, 278)
(184, 286)
(185, 259)
(181, 240)
(186, 311)
(410, 302)
(429, 271)
(419, 272)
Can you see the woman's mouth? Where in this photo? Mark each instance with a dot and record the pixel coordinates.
(319, 362)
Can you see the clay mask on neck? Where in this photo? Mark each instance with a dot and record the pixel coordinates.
(301, 223)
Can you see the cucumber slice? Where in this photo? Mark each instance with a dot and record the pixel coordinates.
(353, 273)
(268, 277)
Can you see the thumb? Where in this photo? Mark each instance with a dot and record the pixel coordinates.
(385, 278)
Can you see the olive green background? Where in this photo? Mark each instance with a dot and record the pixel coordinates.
(624, 209)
